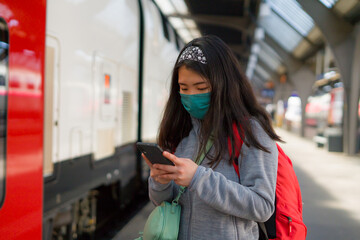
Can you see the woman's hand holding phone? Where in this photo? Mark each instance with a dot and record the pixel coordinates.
(182, 173)
(154, 172)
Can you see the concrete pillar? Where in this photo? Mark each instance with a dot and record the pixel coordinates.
(303, 80)
(283, 91)
(354, 94)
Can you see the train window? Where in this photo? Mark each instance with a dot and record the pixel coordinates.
(171, 33)
(163, 21)
(177, 41)
(4, 56)
(165, 29)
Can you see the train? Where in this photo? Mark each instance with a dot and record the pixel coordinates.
(81, 82)
(326, 109)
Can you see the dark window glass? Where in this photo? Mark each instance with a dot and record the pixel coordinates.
(177, 41)
(165, 29)
(163, 20)
(4, 56)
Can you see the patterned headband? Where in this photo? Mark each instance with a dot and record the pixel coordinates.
(193, 53)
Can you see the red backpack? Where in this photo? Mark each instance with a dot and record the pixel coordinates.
(286, 223)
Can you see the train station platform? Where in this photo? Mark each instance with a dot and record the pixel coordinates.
(330, 190)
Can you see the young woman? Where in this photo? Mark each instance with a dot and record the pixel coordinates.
(209, 94)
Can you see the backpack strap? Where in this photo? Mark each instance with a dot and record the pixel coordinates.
(237, 148)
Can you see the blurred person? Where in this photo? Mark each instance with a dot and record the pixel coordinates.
(280, 112)
(208, 94)
(271, 110)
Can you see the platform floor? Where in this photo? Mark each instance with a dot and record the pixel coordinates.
(330, 185)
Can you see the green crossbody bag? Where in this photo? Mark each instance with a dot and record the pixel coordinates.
(163, 222)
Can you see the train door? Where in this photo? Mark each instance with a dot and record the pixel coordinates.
(51, 107)
(105, 77)
(22, 41)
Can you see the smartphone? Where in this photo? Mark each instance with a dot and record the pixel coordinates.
(154, 153)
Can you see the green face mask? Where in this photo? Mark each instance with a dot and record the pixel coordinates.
(197, 105)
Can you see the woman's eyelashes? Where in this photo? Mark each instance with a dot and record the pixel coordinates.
(199, 89)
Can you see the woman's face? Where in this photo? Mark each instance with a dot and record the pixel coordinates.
(192, 83)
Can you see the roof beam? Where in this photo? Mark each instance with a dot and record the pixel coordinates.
(265, 66)
(334, 28)
(257, 75)
(274, 76)
(257, 81)
(240, 49)
(270, 52)
(312, 51)
(337, 32)
(262, 72)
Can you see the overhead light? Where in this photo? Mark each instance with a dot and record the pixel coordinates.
(177, 23)
(166, 7)
(251, 64)
(189, 23)
(186, 28)
(180, 6)
(249, 72)
(328, 3)
(253, 58)
(255, 48)
(195, 33)
(259, 34)
(185, 34)
(265, 10)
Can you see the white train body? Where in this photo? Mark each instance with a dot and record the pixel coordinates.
(94, 40)
(92, 69)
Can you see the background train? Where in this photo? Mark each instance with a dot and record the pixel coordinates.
(80, 83)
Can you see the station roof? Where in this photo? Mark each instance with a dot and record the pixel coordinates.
(232, 20)
(250, 26)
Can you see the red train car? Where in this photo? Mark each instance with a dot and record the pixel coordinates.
(22, 46)
(70, 111)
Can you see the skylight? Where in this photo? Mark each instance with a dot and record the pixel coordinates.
(185, 27)
(291, 12)
(280, 31)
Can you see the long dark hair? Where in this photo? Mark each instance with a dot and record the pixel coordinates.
(232, 101)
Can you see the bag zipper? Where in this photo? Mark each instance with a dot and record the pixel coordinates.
(290, 221)
(289, 226)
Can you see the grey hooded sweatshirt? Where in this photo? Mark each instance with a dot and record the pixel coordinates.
(216, 205)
